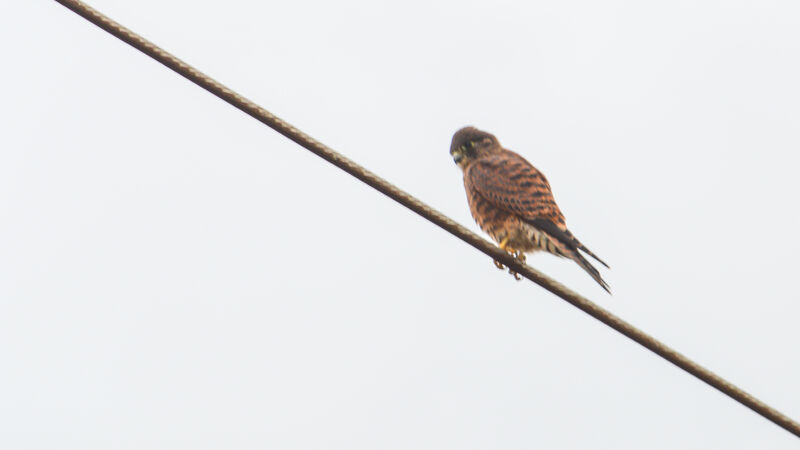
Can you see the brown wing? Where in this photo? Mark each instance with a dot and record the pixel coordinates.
(510, 182)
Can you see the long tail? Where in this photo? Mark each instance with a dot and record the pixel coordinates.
(589, 252)
(589, 268)
(568, 246)
(568, 236)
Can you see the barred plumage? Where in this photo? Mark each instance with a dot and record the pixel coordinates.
(512, 201)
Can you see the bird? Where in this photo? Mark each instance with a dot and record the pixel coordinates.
(512, 202)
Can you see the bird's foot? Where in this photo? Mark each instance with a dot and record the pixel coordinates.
(518, 255)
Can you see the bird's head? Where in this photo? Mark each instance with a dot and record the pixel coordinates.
(469, 144)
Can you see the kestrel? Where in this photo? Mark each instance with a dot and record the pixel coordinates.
(512, 201)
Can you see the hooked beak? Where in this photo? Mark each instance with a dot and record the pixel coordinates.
(457, 156)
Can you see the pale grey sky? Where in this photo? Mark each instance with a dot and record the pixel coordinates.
(176, 275)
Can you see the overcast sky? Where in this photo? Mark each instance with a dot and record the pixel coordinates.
(174, 274)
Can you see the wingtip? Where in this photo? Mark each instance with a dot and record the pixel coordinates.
(591, 270)
(588, 252)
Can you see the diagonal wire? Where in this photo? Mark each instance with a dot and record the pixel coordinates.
(430, 214)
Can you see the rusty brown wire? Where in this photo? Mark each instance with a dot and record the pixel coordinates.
(429, 213)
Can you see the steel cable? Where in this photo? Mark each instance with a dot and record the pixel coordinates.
(430, 214)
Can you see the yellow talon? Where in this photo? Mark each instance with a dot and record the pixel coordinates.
(518, 255)
(503, 243)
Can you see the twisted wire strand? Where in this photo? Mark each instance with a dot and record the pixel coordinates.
(430, 214)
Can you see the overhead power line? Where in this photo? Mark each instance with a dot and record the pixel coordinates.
(430, 214)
